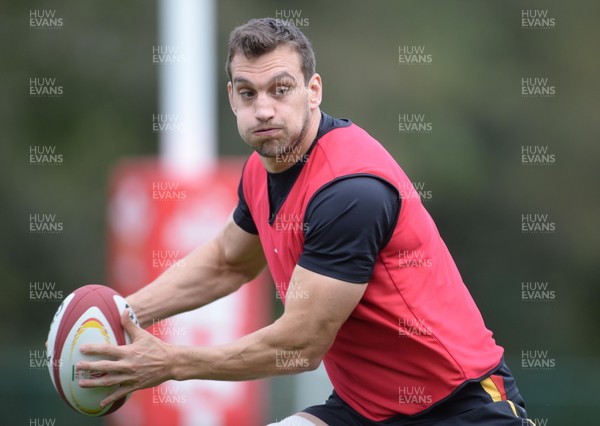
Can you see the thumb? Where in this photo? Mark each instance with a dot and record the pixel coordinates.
(128, 324)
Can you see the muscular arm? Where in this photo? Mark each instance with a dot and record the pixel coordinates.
(211, 271)
(296, 342)
(324, 298)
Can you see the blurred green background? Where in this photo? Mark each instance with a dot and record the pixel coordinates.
(470, 161)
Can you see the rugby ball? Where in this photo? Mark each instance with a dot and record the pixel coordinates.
(91, 314)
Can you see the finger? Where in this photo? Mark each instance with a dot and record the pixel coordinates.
(129, 326)
(100, 366)
(121, 392)
(105, 381)
(102, 349)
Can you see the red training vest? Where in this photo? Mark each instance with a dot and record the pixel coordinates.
(416, 334)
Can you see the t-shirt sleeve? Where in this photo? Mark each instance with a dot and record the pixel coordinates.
(347, 223)
(241, 214)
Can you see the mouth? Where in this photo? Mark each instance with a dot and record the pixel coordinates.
(266, 131)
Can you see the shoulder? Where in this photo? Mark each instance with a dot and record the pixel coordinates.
(350, 190)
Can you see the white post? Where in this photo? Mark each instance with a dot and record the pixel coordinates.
(188, 86)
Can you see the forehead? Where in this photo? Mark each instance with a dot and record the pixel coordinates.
(283, 59)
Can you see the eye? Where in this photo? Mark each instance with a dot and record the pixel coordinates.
(246, 94)
(281, 90)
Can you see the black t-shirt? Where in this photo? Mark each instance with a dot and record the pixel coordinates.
(346, 224)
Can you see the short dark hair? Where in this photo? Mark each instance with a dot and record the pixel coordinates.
(260, 36)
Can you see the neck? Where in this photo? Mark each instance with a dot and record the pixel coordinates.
(283, 162)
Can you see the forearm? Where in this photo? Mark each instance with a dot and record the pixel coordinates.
(198, 279)
(295, 343)
(277, 349)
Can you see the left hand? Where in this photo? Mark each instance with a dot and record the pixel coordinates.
(142, 364)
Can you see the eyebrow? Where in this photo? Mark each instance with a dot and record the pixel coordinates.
(280, 76)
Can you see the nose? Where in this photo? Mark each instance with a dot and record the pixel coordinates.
(263, 108)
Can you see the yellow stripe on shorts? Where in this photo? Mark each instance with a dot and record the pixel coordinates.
(492, 390)
(490, 387)
(512, 405)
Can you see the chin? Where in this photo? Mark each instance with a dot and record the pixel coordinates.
(267, 149)
(267, 153)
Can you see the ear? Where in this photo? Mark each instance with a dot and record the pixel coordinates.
(230, 94)
(315, 91)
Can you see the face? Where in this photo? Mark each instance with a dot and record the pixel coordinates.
(273, 105)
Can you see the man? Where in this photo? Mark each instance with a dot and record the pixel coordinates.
(368, 284)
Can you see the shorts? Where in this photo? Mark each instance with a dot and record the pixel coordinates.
(480, 402)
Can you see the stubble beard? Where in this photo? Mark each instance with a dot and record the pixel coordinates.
(284, 148)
